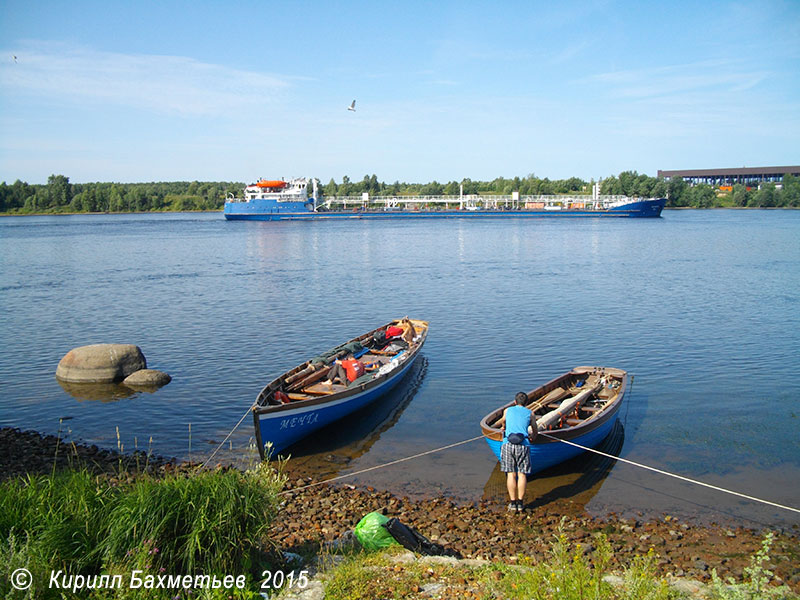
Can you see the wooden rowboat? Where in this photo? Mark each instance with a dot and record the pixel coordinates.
(303, 399)
(580, 406)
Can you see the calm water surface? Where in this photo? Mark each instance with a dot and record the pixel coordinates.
(703, 307)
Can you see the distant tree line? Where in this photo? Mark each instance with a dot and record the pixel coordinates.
(58, 195)
(530, 185)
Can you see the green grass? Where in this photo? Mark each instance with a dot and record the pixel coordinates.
(203, 522)
(210, 522)
(567, 574)
(216, 523)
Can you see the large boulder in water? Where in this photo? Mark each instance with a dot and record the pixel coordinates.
(147, 379)
(100, 363)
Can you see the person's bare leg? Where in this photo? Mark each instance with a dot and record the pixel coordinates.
(511, 484)
(522, 481)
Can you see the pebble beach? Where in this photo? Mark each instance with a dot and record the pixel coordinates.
(314, 513)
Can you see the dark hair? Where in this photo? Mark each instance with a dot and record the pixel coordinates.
(521, 398)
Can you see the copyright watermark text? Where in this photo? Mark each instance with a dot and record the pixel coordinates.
(21, 579)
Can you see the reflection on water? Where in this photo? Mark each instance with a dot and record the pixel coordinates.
(104, 392)
(226, 306)
(579, 478)
(332, 448)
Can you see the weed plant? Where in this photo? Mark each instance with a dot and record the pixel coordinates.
(756, 583)
(568, 574)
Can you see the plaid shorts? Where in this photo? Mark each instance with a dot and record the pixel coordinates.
(515, 458)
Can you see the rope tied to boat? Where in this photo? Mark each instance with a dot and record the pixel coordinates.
(675, 475)
(388, 464)
(230, 433)
(541, 433)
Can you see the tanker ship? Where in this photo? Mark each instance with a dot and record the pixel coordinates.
(280, 200)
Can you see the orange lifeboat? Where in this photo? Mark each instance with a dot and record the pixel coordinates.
(264, 183)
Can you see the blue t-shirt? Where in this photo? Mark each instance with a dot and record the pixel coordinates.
(517, 420)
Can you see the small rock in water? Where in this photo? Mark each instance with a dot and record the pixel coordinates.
(337, 459)
(147, 378)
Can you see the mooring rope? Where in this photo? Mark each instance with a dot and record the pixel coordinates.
(624, 460)
(628, 403)
(676, 476)
(462, 442)
(222, 443)
(394, 462)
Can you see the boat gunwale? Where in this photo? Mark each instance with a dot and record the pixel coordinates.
(259, 409)
(286, 410)
(567, 433)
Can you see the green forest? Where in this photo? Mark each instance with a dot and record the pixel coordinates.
(58, 195)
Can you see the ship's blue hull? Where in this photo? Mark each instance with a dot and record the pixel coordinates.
(271, 210)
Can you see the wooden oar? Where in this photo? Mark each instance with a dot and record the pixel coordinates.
(313, 378)
(552, 396)
(299, 374)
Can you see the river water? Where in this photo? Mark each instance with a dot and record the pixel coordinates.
(702, 307)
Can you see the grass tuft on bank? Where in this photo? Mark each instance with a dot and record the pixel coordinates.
(212, 522)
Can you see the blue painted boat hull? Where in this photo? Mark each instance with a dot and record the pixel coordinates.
(546, 455)
(587, 431)
(278, 425)
(281, 430)
(271, 210)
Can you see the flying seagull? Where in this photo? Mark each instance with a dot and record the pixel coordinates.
(352, 106)
(15, 58)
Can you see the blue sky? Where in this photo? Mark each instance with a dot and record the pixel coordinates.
(165, 91)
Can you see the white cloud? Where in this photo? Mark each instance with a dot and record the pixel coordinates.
(165, 84)
(680, 79)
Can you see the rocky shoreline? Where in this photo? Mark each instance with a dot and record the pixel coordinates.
(313, 514)
(486, 531)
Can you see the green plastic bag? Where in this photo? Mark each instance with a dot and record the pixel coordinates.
(371, 533)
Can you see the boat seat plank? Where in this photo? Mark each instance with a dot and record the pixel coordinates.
(322, 389)
(592, 380)
(296, 396)
(319, 392)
